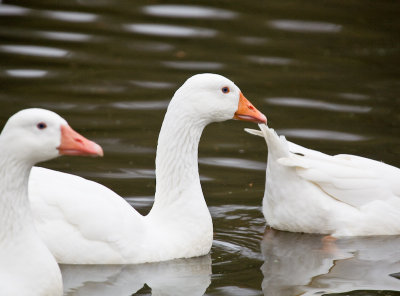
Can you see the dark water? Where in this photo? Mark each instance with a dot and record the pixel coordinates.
(326, 74)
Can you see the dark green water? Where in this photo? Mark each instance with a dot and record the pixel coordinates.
(326, 74)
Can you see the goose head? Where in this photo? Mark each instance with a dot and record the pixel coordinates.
(37, 135)
(212, 98)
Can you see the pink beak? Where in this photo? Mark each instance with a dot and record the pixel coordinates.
(247, 112)
(73, 143)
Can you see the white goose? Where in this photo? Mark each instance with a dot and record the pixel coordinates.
(83, 222)
(342, 195)
(30, 136)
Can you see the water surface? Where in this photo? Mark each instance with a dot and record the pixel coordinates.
(326, 74)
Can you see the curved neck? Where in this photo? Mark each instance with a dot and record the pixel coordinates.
(179, 223)
(15, 213)
(177, 160)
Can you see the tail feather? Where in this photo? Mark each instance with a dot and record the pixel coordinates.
(275, 143)
(254, 132)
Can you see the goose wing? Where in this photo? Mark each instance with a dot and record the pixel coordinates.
(81, 221)
(351, 179)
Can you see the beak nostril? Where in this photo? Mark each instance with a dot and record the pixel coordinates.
(78, 140)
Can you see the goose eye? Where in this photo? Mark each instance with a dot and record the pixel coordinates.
(225, 89)
(41, 125)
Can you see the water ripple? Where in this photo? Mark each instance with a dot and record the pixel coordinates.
(241, 233)
(270, 60)
(192, 65)
(233, 163)
(305, 26)
(227, 246)
(144, 105)
(169, 30)
(315, 104)
(140, 202)
(34, 50)
(353, 96)
(69, 106)
(26, 73)
(223, 211)
(188, 11)
(65, 36)
(252, 40)
(118, 146)
(71, 16)
(127, 174)
(97, 88)
(322, 134)
(152, 46)
(153, 84)
(6, 9)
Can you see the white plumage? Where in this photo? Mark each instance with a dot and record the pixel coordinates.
(343, 195)
(33, 135)
(83, 222)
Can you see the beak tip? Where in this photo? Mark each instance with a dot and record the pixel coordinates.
(263, 119)
(95, 150)
(99, 151)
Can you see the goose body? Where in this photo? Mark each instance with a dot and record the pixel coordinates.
(342, 195)
(26, 265)
(83, 222)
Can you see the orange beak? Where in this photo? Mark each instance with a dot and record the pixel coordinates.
(247, 112)
(73, 143)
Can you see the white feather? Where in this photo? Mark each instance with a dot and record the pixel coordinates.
(344, 195)
(84, 222)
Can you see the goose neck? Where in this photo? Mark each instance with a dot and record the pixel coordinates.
(177, 155)
(15, 214)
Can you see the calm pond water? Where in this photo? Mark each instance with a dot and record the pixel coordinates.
(326, 74)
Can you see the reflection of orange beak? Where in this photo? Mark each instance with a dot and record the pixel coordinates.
(247, 112)
(73, 143)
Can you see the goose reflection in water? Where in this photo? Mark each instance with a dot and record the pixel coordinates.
(176, 277)
(307, 264)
